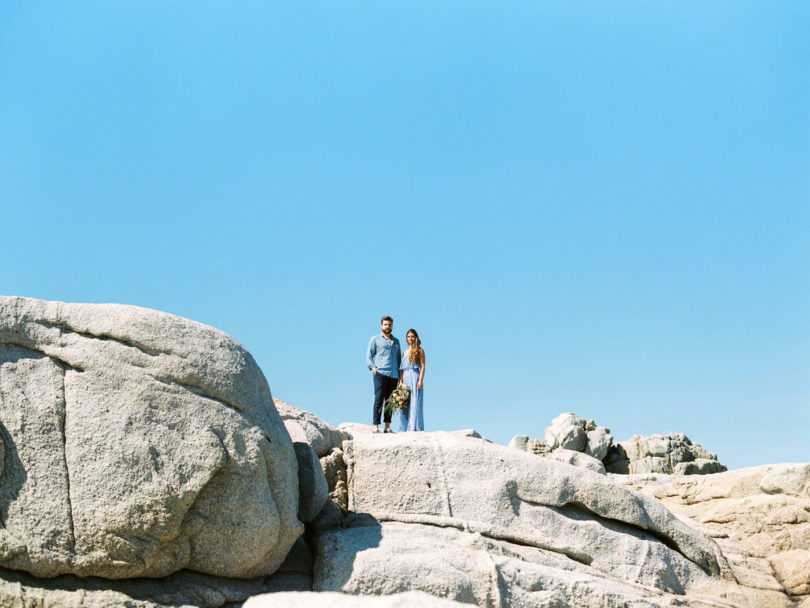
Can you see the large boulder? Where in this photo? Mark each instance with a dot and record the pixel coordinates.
(566, 431)
(136, 444)
(570, 432)
(441, 480)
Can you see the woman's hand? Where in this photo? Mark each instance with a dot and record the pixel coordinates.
(419, 385)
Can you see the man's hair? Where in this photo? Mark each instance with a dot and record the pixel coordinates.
(386, 318)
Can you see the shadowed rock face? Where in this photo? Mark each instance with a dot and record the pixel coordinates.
(136, 443)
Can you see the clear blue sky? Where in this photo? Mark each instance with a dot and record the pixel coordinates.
(598, 207)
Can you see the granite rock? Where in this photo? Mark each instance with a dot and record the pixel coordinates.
(577, 459)
(137, 443)
(308, 428)
(671, 453)
(760, 518)
(448, 481)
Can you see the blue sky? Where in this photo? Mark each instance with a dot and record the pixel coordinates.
(593, 207)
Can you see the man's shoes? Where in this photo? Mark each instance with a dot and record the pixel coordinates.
(377, 432)
(389, 431)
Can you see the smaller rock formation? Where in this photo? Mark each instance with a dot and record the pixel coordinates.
(581, 442)
(572, 440)
(673, 453)
(570, 432)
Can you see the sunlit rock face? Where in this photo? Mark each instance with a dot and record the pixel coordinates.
(760, 517)
(137, 443)
(472, 521)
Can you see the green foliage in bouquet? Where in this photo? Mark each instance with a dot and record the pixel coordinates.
(398, 400)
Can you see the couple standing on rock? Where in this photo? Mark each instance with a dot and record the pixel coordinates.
(389, 367)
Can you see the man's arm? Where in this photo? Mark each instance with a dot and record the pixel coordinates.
(371, 351)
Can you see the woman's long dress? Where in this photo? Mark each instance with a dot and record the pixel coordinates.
(413, 420)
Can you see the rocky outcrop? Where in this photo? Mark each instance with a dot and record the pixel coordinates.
(673, 453)
(137, 443)
(484, 501)
(572, 440)
(760, 517)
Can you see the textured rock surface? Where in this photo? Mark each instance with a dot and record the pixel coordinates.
(334, 469)
(673, 453)
(137, 443)
(792, 570)
(577, 459)
(598, 441)
(411, 599)
(759, 516)
(308, 428)
(355, 428)
(476, 569)
(448, 481)
(19, 590)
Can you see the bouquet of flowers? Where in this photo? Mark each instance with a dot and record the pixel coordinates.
(399, 400)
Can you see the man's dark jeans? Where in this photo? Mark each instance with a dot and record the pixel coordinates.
(383, 387)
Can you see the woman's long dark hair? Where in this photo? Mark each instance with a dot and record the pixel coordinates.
(413, 355)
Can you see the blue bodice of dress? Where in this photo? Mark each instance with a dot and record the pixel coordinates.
(406, 362)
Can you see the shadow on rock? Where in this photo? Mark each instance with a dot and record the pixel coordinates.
(338, 549)
(12, 473)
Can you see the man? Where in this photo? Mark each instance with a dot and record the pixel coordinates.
(383, 358)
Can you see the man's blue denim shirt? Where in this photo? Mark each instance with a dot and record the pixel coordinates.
(383, 355)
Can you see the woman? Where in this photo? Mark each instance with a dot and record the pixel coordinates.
(412, 374)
